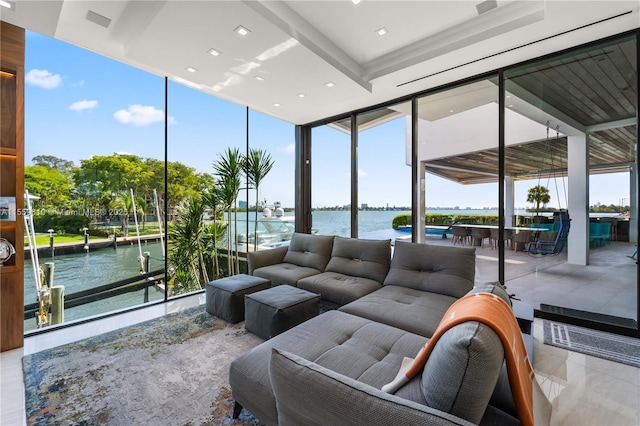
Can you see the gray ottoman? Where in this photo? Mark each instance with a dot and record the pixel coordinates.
(273, 311)
(225, 297)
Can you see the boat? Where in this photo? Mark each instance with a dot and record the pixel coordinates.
(274, 230)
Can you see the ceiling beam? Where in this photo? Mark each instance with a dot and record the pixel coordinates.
(283, 17)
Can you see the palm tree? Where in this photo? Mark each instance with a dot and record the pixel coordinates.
(539, 195)
(257, 165)
(229, 169)
(187, 245)
(215, 231)
(123, 204)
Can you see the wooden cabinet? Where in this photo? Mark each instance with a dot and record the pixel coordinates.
(12, 184)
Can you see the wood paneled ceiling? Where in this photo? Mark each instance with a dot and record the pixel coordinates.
(593, 90)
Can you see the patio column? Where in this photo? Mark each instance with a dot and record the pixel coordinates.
(420, 237)
(578, 183)
(509, 196)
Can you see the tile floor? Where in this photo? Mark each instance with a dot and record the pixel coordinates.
(584, 390)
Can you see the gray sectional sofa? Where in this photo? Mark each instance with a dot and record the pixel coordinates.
(329, 370)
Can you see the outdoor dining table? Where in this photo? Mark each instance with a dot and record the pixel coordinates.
(507, 228)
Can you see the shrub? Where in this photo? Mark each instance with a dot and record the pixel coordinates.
(66, 224)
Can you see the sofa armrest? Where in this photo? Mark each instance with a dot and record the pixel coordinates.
(258, 259)
(491, 287)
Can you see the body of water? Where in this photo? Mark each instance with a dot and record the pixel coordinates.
(83, 271)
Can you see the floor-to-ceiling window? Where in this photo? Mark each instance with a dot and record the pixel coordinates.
(571, 157)
(94, 134)
(206, 143)
(271, 189)
(384, 172)
(331, 179)
(458, 153)
(95, 140)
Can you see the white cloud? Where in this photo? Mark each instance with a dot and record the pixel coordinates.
(289, 149)
(141, 115)
(43, 78)
(82, 105)
(362, 173)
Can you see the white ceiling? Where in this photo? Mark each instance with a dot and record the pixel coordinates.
(299, 46)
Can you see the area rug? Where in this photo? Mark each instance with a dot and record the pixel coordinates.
(171, 370)
(613, 347)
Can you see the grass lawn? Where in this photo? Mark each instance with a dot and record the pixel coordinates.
(42, 240)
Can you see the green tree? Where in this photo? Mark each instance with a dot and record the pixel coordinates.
(257, 165)
(123, 205)
(53, 162)
(538, 195)
(51, 185)
(113, 174)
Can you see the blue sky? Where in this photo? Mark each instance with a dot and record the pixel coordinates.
(79, 104)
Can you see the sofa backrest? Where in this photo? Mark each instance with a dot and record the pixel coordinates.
(360, 258)
(462, 370)
(438, 269)
(311, 251)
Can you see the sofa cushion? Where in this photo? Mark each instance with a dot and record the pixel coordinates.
(437, 269)
(416, 311)
(339, 289)
(284, 273)
(349, 345)
(311, 251)
(360, 258)
(462, 370)
(309, 394)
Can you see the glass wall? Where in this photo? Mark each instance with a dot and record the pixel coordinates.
(458, 152)
(203, 132)
(331, 179)
(271, 214)
(95, 140)
(571, 157)
(94, 150)
(384, 172)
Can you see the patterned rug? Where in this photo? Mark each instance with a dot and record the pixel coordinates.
(171, 370)
(613, 347)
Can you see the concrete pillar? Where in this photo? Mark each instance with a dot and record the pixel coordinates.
(578, 187)
(509, 196)
(421, 238)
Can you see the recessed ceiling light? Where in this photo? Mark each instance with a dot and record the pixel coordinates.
(301, 95)
(508, 96)
(214, 52)
(510, 106)
(8, 4)
(450, 110)
(259, 78)
(382, 31)
(242, 30)
(330, 84)
(191, 69)
(276, 104)
(356, 1)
